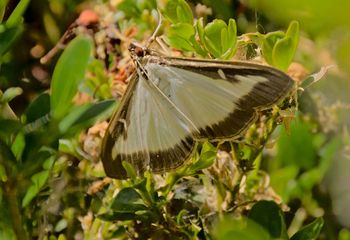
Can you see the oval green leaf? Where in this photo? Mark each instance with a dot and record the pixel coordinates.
(310, 231)
(68, 74)
(178, 11)
(268, 42)
(268, 215)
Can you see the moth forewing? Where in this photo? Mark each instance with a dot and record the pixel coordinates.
(175, 102)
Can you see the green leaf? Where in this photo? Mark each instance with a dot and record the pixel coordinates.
(184, 12)
(230, 45)
(18, 146)
(234, 229)
(327, 154)
(314, 176)
(135, 8)
(184, 30)
(310, 231)
(284, 48)
(218, 38)
(180, 35)
(68, 74)
(130, 170)
(38, 181)
(205, 160)
(90, 115)
(180, 43)
(291, 145)
(268, 215)
(81, 117)
(72, 116)
(200, 29)
(69, 146)
(293, 32)
(178, 11)
(3, 5)
(281, 56)
(213, 31)
(8, 160)
(10, 94)
(61, 225)
(130, 8)
(282, 180)
(10, 126)
(268, 42)
(16, 16)
(212, 39)
(6, 112)
(38, 108)
(344, 234)
(128, 200)
(8, 37)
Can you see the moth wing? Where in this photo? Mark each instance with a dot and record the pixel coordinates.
(147, 132)
(221, 100)
(181, 100)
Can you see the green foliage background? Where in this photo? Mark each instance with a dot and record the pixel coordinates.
(286, 180)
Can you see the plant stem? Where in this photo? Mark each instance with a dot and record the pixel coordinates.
(11, 196)
(10, 191)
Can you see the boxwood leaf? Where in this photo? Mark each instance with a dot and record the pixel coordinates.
(128, 200)
(206, 159)
(38, 181)
(38, 108)
(10, 94)
(12, 126)
(85, 115)
(68, 74)
(281, 57)
(3, 5)
(239, 229)
(268, 42)
(268, 215)
(180, 36)
(310, 231)
(8, 36)
(285, 49)
(178, 11)
(16, 15)
(18, 145)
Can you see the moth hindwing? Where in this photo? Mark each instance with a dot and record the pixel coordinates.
(172, 103)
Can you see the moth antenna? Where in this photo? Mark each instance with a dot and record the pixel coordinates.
(153, 37)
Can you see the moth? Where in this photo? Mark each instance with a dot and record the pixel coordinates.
(173, 103)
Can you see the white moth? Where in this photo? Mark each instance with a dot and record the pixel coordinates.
(172, 103)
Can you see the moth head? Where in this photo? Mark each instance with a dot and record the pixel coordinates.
(136, 50)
